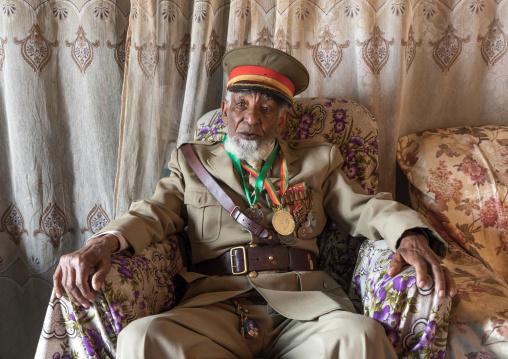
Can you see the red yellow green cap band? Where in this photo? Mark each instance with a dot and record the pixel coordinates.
(263, 75)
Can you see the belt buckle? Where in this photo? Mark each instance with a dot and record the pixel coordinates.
(231, 255)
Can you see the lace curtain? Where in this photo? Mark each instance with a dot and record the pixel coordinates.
(95, 94)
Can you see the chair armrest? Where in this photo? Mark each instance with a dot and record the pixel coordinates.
(415, 320)
(137, 286)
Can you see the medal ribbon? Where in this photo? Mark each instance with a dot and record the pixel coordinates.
(270, 189)
(260, 176)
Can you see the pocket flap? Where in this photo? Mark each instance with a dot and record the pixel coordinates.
(199, 199)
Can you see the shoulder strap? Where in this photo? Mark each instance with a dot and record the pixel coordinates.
(258, 230)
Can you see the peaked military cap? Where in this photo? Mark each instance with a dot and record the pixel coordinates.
(265, 69)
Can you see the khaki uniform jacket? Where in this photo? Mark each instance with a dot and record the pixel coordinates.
(181, 200)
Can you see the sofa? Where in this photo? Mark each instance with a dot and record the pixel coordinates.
(419, 324)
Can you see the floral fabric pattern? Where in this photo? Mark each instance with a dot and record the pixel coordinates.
(415, 320)
(137, 286)
(458, 179)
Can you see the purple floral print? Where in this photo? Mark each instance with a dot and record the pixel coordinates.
(428, 337)
(125, 272)
(352, 170)
(204, 131)
(339, 126)
(93, 342)
(357, 140)
(306, 119)
(400, 284)
(339, 115)
(58, 356)
(390, 322)
(118, 314)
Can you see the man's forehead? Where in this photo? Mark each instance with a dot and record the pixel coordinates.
(250, 93)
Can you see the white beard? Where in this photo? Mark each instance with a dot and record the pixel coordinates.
(250, 151)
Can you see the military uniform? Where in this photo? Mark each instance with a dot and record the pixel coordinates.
(182, 200)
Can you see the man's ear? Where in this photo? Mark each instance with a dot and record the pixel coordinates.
(225, 109)
(281, 122)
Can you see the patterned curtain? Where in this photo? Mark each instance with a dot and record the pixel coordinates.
(415, 64)
(90, 90)
(61, 76)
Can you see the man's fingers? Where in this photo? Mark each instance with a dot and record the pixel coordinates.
(57, 282)
(450, 283)
(421, 270)
(396, 264)
(438, 270)
(82, 284)
(73, 291)
(99, 277)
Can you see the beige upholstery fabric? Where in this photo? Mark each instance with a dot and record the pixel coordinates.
(458, 180)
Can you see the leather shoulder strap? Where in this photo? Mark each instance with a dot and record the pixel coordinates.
(258, 230)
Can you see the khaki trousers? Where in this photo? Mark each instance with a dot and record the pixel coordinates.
(212, 331)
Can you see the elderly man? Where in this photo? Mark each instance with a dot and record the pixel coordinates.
(255, 290)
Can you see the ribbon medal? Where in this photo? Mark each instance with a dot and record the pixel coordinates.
(298, 202)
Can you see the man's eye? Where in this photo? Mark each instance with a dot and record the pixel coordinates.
(266, 108)
(240, 104)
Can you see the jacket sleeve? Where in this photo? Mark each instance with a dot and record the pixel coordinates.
(375, 217)
(152, 220)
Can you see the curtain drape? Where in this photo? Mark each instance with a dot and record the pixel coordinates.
(95, 94)
(415, 64)
(61, 76)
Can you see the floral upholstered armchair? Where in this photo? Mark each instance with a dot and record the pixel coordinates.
(416, 320)
(458, 179)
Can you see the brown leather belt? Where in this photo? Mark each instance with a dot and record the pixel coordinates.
(242, 260)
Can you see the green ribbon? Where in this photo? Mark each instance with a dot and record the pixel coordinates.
(262, 175)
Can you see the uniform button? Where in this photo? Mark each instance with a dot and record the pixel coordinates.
(270, 258)
(325, 285)
(253, 274)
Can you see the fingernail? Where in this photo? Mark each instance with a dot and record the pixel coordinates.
(422, 284)
(441, 293)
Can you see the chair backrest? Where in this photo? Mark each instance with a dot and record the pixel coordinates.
(344, 123)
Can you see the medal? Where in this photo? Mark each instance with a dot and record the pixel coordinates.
(283, 222)
(247, 326)
(300, 211)
(255, 214)
(304, 232)
(289, 239)
(251, 328)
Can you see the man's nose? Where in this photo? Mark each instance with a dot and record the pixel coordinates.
(252, 116)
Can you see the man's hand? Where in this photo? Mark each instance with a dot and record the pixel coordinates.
(75, 268)
(415, 251)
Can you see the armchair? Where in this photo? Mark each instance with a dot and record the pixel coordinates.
(415, 320)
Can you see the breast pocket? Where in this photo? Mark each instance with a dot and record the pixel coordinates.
(204, 216)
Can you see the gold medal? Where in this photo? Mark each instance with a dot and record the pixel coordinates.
(283, 222)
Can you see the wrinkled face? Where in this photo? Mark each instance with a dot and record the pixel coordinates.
(253, 116)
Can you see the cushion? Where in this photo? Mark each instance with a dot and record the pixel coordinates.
(458, 179)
